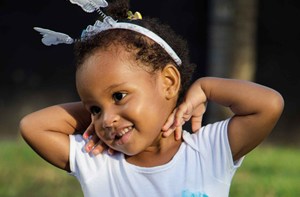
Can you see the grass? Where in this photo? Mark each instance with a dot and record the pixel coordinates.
(268, 171)
(23, 173)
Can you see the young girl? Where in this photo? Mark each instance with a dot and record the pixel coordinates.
(132, 84)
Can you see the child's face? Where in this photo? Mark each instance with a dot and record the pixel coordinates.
(129, 105)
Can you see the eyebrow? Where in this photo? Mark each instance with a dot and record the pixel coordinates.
(114, 86)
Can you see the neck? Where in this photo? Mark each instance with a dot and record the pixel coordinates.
(159, 153)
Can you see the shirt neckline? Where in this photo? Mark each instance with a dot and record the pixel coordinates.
(155, 169)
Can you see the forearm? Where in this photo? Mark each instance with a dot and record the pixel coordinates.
(242, 97)
(47, 130)
(64, 118)
(256, 110)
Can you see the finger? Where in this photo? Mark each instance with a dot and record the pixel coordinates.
(110, 151)
(91, 143)
(182, 114)
(168, 132)
(98, 148)
(177, 129)
(178, 133)
(89, 131)
(170, 121)
(196, 120)
(196, 123)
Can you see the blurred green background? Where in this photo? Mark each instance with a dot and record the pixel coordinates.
(268, 171)
(253, 40)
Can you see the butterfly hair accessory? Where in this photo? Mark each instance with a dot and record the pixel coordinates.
(91, 5)
(53, 38)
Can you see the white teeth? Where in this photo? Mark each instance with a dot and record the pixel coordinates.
(124, 131)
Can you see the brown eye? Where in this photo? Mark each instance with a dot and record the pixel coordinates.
(95, 110)
(118, 96)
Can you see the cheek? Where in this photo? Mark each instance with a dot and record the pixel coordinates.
(140, 106)
(100, 134)
(151, 109)
(99, 131)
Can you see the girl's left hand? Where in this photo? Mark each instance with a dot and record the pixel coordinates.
(192, 108)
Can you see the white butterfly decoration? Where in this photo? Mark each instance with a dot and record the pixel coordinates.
(90, 5)
(53, 38)
(99, 26)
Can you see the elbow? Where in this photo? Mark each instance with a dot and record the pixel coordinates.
(276, 106)
(25, 127)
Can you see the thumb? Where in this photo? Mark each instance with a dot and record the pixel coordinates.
(196, 123)
(89, 131)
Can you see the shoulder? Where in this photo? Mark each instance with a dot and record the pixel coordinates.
(212, 142)
(82, 162)
(208, 135)
(78, 156)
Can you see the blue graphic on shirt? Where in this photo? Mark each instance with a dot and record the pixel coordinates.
(187, 193)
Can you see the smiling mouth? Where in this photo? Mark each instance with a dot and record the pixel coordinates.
(120, 134)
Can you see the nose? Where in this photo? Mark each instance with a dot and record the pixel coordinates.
(109, 118)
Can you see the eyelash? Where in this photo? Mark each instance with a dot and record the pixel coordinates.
(94, 110)
(117, 94)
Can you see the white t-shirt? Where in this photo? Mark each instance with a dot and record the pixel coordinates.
(202, 167)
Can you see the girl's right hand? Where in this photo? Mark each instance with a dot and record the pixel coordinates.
(94, 145)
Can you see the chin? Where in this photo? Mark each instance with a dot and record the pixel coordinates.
(130, 152)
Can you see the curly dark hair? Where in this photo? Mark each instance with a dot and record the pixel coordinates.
(148, 52)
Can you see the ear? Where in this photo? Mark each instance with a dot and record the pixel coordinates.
(171, 81)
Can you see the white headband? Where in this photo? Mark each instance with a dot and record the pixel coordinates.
(109, 23)
(152, 36)
(52, 38)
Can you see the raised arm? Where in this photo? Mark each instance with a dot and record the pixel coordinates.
(47, 131)
(256, 109)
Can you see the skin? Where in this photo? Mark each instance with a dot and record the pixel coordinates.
(124, 96)
(256, 110)
(121, 94)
